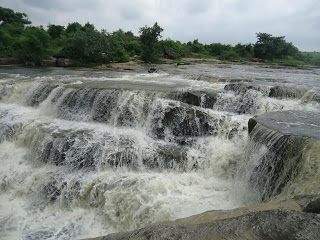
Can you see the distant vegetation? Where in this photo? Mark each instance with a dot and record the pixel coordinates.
(85, 44)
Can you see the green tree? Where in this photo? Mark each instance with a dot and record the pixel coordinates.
(217, 49)
(74, 27)
(269, 47)
(196, 47)
(129, 42)
(87, 46)
(172, 49)
(9, 33)
(55, 31)
(8, 16)
(32, 46)
(244, 50)
(149, 37)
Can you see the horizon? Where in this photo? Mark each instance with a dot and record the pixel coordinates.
(295, 20)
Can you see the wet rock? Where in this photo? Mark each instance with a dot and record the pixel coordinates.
(313, 95)
(104, 103)
(51, 62)
(39, 235)
(39, 93)
(170, 157)
(77, 104)
(63, 62)
(196, 98)
(5, 90)
(283, 146)
(8, 131)
(239, 88)
(152, 70)
(52, 191)
(286, 92)
(123, 154)
(8, 61)
(243, 103)
(308, 203)
(273, 220)
(182, 120)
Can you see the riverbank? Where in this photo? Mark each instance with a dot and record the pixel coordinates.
(137, 65)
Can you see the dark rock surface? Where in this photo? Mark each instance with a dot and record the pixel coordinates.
(298, 123)
(286, 92)
(183, 120)
(274, 220)
(239, 88)
(287, 142)
(63, 62)
(196, 98)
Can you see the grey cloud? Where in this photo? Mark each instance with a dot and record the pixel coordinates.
(228, 21)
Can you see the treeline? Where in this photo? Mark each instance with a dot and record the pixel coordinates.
(85, 44)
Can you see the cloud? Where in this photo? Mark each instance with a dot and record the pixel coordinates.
(228, 21)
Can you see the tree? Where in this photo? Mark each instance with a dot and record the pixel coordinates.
(244, 50)
(172, 49)
(73, 27)
(149, 37)
(88, 46)
(8, 16)
(32, 46)
(217, 49)
(269, 47)
(55, 31)
(196, 47)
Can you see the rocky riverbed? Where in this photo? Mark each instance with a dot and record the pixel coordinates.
(88, 153)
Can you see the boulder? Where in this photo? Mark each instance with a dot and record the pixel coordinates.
(183, 121)
(284, 152)
(197, 98)
(152, 70)
(313, 95)
(286, 92)
(239, 88)
(50, 62)
(63, 62)
(277, 220)
(39, 93)
(9, 61)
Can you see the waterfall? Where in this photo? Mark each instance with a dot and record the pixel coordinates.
(86, 155)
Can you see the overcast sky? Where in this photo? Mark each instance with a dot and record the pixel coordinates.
(227, 21)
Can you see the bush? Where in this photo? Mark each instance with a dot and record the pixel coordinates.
(196, 47)
(172, 49)
(217, 49)
(311, 58)
(229, 55)
(244, 50)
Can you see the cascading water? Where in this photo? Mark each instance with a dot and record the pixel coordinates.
(87, 156)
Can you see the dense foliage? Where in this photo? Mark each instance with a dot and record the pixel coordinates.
(149, 38)
(85, 44)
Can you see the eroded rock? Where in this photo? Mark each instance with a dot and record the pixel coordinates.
(277, 220)
(284, 153)
(286, 92)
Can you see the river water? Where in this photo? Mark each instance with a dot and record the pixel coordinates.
(86, 152)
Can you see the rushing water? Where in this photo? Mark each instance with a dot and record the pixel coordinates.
(85, 153)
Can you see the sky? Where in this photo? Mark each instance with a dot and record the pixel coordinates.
(225, 21)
